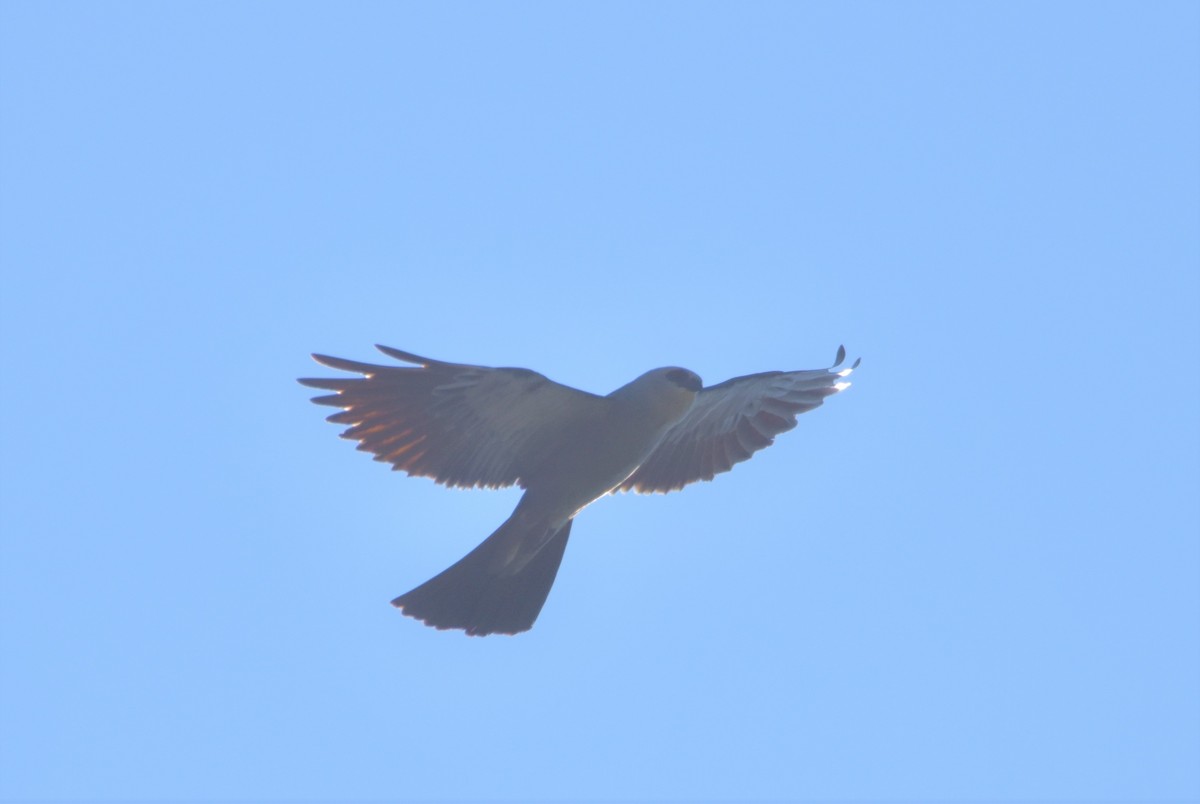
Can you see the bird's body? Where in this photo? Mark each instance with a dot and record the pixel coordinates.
(475, 426)
(599, 451)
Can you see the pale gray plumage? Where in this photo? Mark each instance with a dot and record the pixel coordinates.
(730, 422)
(471, 426)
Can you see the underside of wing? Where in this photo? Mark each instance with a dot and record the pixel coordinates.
(730, 422)
(459, 424)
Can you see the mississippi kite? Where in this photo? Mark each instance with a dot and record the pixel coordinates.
(474, 426)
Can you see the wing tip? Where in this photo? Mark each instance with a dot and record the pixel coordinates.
(404, 357)
(342, 364)
(841, 358)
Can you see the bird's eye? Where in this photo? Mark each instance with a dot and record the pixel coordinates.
(685, 379)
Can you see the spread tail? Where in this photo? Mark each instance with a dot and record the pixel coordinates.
(482, 594)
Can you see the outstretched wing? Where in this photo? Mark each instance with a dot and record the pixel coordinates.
(730, 422)
(460, 425)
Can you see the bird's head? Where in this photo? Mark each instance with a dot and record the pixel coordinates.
(687, 380)
(669, 392)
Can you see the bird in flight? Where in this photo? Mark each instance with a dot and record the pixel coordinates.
(474, 426)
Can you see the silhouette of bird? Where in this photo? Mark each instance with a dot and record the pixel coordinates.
(473, 426)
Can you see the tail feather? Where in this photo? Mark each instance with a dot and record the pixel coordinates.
(479, 596)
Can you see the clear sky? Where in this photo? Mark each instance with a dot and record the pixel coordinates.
(975, 575)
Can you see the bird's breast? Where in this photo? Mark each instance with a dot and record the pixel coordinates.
(592, 460)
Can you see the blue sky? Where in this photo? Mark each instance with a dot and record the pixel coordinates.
(973, 576)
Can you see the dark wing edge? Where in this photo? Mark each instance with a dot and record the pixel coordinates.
(731, 421)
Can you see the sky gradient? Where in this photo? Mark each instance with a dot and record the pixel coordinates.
(975, 575)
